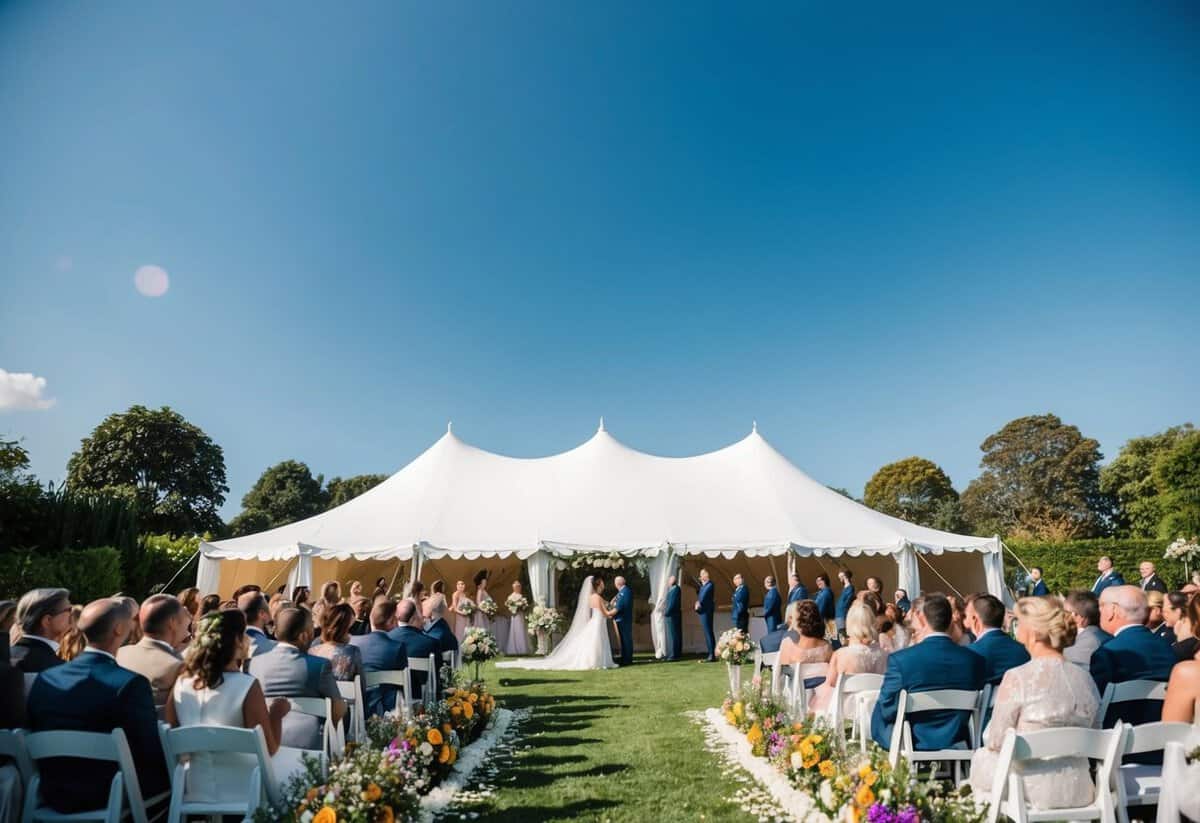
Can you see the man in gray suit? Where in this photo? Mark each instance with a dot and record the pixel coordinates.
(288, 671)
(258, 617)
(1085, 608)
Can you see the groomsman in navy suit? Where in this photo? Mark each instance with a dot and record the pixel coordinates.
(674, 619)
(704, 607)
(902, 602)
(824, 601)
(1108, 576)
(623, 603)
(740, 611)
(797, 592)
(936, 662)
(772, 607)
(1037, 586)
(844, 602)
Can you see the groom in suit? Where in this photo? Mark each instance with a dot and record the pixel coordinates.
(772, 605)
(1108, 576)
(674, 620)
(623, 603)
(705, 607)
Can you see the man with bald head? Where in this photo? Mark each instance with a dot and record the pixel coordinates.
(410, 633)
(93, 694)
(380, 653)
(438, 628)
(166, 625)
(1134, 653)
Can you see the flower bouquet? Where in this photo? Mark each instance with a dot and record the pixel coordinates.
(488, 607)
(736, 648)
(427, 742)
(466, 607)
(478, 646)
(543, 622)
(367, 785)
(1185, 551)
(516, 604)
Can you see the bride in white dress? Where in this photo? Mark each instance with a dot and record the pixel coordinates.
(586, 645)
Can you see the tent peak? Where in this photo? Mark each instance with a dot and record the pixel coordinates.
(754, 427)
(449, 427)
(601, 424)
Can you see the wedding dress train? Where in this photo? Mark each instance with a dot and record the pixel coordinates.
(585, 647)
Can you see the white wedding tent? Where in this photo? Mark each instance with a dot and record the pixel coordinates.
(457, 508)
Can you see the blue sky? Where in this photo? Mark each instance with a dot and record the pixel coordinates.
(879, 231)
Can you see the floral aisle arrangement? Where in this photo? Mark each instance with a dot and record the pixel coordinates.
(844, 785)
(737, 649)
(610, 561)
(488, 607)
(1185, 551)
(478, 646)
(516, 604)
(544, 621)
(367, 785)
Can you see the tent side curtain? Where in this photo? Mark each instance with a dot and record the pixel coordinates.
(661, 568)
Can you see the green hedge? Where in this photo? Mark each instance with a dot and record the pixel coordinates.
(155, 561)
(1072, 565)
(87, 573)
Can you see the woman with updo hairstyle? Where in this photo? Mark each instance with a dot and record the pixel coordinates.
(812, 647)
(212, 690)
(210, 603)
(344, 658)
(1048, 692)
(190, 600)
(481, 595)
(862, 654)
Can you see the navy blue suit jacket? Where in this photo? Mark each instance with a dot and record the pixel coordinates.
(440, 631)
(93, 694)
(1000, 653)
(844, 602)
(31, 656)
(904, 604)
(705, 598)
(937, 662)
(772, 608)
(741, 604)
(824, 601)
(771, 641)
(380, 653)
(797, 593)
(1113, 578)
(418, 646)
(1133, 654)
(624, 607)
(1039, 589)
(671, 604)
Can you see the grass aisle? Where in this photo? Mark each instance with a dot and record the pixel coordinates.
(611, 745)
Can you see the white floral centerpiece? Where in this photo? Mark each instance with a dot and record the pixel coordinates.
(1185, 551)
(736, 648)
(516, 604)
(544, 621)
(478, 646)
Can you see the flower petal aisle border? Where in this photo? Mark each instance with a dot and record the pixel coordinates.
(771, 794)
(472, 757)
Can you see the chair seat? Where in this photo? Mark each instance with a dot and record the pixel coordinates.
(940, 754)
(1142, 780)
(1075, 813)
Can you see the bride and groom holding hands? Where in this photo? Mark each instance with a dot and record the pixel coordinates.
(586, 644)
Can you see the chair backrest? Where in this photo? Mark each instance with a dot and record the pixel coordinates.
(848, 684)
(1130, 691)
(352, 692)
(962, 700)
(111, 748)
(450, 658)
(987, 701)
(402, 678)
(188, 740)
(766, 660)
(1153, 737)
(809, 670)
(12, 745)
(421, 664)
(334, 741)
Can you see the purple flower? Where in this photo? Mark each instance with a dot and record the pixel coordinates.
(909, 815)
(879, 813)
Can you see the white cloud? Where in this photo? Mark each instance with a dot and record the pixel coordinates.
(21, 390)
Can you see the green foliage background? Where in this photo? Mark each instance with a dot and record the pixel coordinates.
(87, 573)
(1072, 564)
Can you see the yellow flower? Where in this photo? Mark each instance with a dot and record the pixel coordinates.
(386, 815)
(867, 774)
(827, 768)
(372, 793)
(434, 737)
(807, 750)
(326, 815)
(446, 729)
(468, 711)
(755, 734)
(444, 755)
(738, 710)
(730, 719)
(312, 794)
(810, 760)
(864, 797)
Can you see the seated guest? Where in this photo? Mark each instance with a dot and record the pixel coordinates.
(93, 694)
(1084, 609)
(190, 598)
(771, 642)
(410, 634)
(212, 690)
(12, 679)
(958, 629)
(362, 614)
(166, 624)
(335, 646)
(287, 671)
(985, 618)
(437, 627)
(72, 643)
(897, 635)
(772, 604)
(43, 617)
(1133, 653)
(1155, 600)
(797, 590)
(1183, 689)
(902, 601)
(935, 662)
(1047, 692)
(254, 606)
(861, 655)
(210, 603)
(380, 653)
(811, 646)
(874, 584)
(1176, 616)
(134, 609)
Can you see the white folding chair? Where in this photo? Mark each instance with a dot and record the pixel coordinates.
(400, 678)
(767, 660)
(1007, 795)
(1131, 691)
(959, 700)
(1175, 784)
(124, 792)
(1140, 784)
(429, 693)
(260, 786)
(12, 745)
(450, 658)
(351, 692)
(857, 687)
(987, 702)
(333, 741)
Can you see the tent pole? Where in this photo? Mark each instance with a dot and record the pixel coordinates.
(399, 566)
(186, 563)
(939, 574)
(286, 566)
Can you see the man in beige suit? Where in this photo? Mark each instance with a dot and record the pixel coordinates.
(166, 625)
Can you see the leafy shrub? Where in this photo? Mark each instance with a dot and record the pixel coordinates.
(1072, 564)
(155, 561)
(87, 573)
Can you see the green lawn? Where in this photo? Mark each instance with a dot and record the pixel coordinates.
(612, 745)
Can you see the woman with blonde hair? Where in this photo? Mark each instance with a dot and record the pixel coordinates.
(861, 655)
(73, 642)
(1047, 692)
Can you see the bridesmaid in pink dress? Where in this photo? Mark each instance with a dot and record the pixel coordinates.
(458, 601)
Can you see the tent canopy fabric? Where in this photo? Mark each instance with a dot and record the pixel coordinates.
(456, 500)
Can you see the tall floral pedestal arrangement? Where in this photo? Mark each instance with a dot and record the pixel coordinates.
(736, 649)
(543, 622)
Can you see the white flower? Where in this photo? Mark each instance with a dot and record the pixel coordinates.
(826, 792)
(307, 817)
(797, 761)
(426, 749)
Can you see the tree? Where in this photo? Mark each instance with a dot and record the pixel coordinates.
(172, 468)
(1177, 475)
(250, 521)
(14, 460)
(912, 489)
(1041, 479)
(344, 490)
(285, 493)
(840, 491)
(1130, 480)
